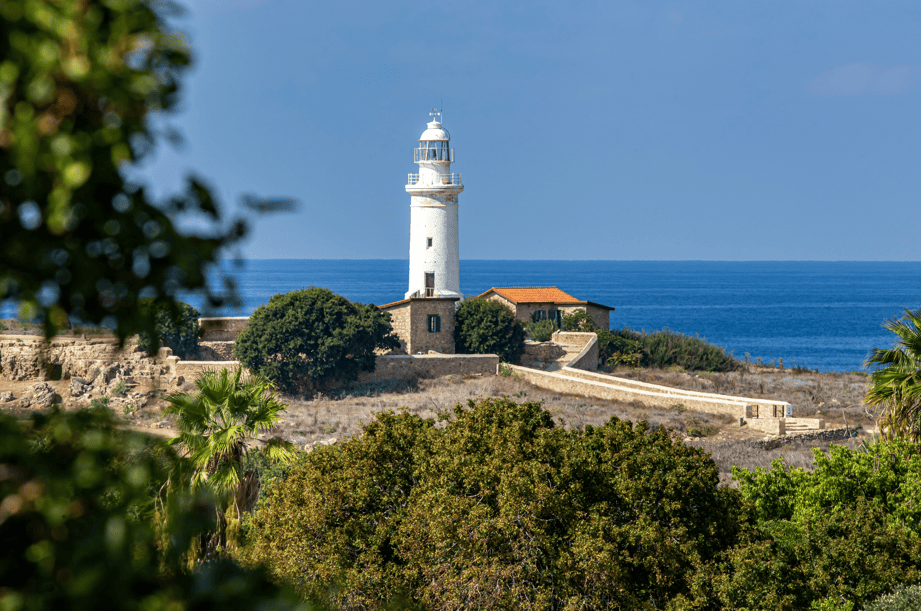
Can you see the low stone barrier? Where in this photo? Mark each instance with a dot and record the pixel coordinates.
(764, 408)
(587, 358)
(569, 384)
(405, 367)
(771, 426)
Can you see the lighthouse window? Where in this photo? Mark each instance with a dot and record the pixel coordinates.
(428, 242)
(433, 151)
(434, 323)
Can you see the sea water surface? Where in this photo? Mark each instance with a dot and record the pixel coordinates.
(822, 315)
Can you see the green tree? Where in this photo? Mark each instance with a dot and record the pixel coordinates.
(308, 339)
(176, 324)
(895, 376)
(499, 508)
(216, 424)
(839, 535)
(488, 327)
(79, 85)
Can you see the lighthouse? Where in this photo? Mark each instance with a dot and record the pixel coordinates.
(434, 256)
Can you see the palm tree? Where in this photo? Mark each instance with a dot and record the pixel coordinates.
(215, 424)
(896, 379)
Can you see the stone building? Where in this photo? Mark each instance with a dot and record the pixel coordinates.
(423, 324)
(530, 303)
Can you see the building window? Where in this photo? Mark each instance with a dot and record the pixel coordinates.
(434, 323)
(539, 315)
(557, 317)
(428, 242)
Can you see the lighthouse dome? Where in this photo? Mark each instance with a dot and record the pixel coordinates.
(435, 132)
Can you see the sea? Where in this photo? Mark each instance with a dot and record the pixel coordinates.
(821, 315)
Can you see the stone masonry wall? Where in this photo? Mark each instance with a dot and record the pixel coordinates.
(399, 320)
(215, 351)
(564, 383)
(588, 357)
(28, 357)
(422, 340)
(764, 408)
(403, 367)
(222, 329)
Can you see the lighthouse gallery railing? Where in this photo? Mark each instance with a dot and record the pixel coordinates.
(440, 180)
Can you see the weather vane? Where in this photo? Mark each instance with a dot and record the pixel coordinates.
(437, 111)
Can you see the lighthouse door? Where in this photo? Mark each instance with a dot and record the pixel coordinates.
(429, 285)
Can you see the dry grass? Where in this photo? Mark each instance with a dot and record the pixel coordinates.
(833, 396)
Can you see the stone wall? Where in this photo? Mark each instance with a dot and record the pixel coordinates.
(771, 426)
(770, 408)
(401, 323)
(222, 329)
(215, 351)
(190, 370)
(587, 358)
(404, 367)
(94, 361)
(563, 382)
(541, 352)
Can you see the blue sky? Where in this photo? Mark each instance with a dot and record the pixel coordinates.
(718, 130)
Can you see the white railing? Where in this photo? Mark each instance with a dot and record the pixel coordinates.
(433, 154)
(446, 180)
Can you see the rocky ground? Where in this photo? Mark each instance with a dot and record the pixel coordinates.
(836, 397)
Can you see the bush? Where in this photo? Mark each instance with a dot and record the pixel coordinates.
(176, 326)
(902, 599)
(541, 330)
(495, 510)
(838, 536)
(488, 327)
(578, 320)
(308, 340)
(662, 349)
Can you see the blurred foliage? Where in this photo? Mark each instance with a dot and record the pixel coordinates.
(80, 526)
(84, 91)
(307, 340)
(488, 327)
(662, 349)
(175, 323)
(895, 379)
(499, 509)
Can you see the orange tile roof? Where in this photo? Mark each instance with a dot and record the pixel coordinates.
(533, 294)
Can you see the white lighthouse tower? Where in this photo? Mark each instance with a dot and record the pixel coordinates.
(434, 257)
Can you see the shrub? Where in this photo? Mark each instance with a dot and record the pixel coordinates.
(902, 599)
(495, 510)
(541, 330)
(578, 320)
(312, 338)
(176, 326)
(662, 349)
(488, 327)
